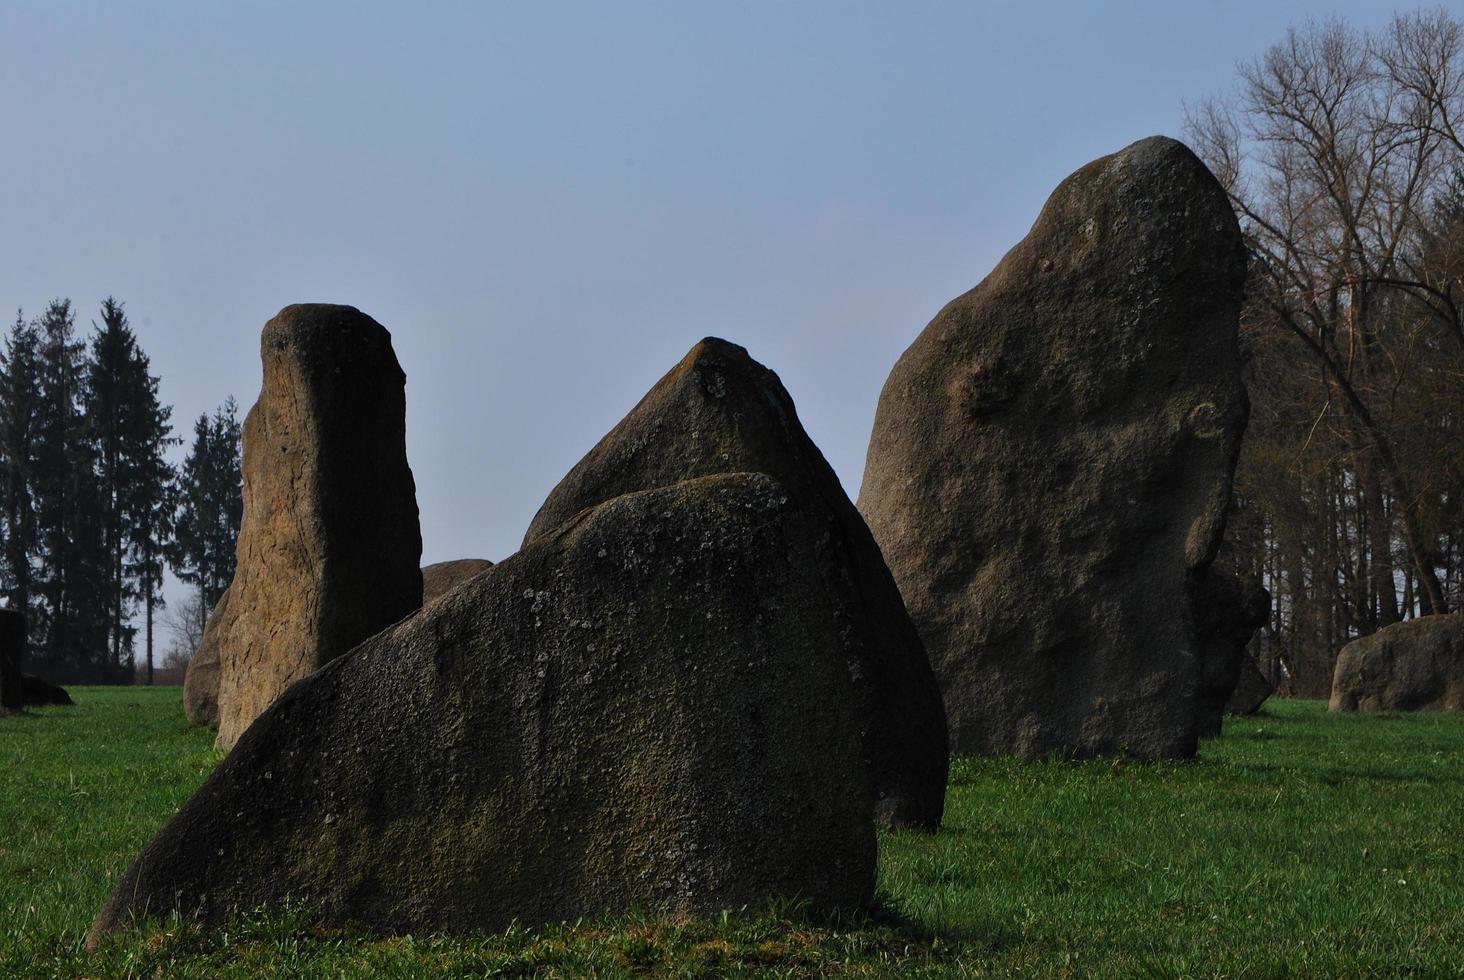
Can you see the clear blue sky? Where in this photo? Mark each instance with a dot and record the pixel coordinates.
(549, 203)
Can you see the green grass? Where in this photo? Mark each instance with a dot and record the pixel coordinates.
(1297, 844)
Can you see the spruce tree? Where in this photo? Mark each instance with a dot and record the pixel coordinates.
(128, 431)
(69, 628)
(19, 415)
(210, 504)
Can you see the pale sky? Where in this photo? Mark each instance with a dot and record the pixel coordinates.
(548, 203)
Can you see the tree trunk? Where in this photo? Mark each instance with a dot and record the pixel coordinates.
(149, 634)
(1379, 543)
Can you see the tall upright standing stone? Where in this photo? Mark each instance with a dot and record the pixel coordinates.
(329, 546)
(12, 649)
(720, 411)
(1051, 462)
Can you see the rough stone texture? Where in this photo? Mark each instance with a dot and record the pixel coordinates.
(37, 691)
(647, 708)
(719, 411)
(12, 649)
(1416, 665)
(1251, 690)
(1227, 614)
(1051, 461)
(440, 579)
(330, 544)
(201, 679)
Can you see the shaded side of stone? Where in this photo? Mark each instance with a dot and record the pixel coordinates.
(1416, 665)
(1051, 462)
(720, 411)
(646, 709)
(329, 545)
(1251, 690)
(1227, 614)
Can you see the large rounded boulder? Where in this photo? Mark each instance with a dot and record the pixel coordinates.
(1415, 665)
(720, 411)
(645, 709)
(329, 545)
(1051, 461)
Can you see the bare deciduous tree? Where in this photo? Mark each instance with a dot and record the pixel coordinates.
(1341, 151)
(1334, 148)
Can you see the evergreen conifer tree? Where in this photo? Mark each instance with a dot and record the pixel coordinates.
(128, 430)
(69, 626)
(210, 504)
(19, 414)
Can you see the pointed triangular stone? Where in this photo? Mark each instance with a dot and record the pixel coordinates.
(647, 709)
(719, 411)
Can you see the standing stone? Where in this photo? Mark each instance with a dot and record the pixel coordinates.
(1051, 461)
(1227, 614)
(440, 579)
(1415, 665)
(201, 678)
(645, 709)
(12, 649)
(329, 544)
(719, 411)
(1251, 690)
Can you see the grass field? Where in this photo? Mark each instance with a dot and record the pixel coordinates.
(1297, 844)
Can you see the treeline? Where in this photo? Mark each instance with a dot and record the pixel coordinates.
(1343, 155)
(91, 510)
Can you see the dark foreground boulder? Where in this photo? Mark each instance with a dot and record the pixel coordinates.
(201, 678)
(1227, 614)
(719, 411)
(1251, 690)
(440, 579)
(12, 649)
(329, 545)
(1417, 665)
(37, 692)
(1051, 461)
(646, 709)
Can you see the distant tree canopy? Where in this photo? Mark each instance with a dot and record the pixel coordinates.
(89, 504)
(1342, 152)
